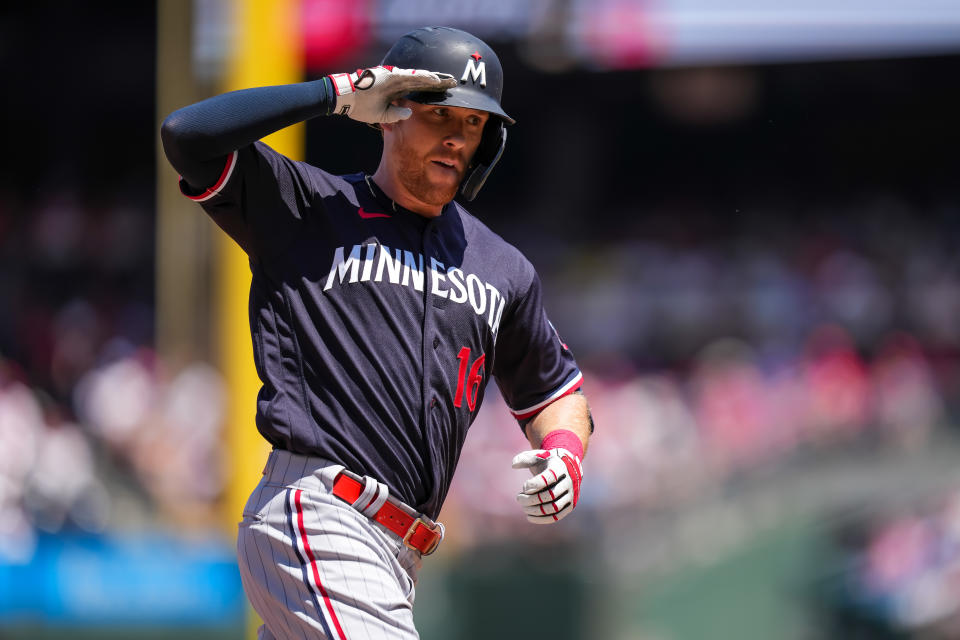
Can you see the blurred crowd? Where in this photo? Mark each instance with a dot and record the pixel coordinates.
(704, 359)
(96, 431)
(659, 284)
(666, 438)
(137, 446)
(901, 572)
(757, 267)
(711, 356)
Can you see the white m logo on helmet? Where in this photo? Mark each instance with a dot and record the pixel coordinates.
(475, 70)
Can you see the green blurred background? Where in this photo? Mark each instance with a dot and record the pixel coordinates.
(746, 216)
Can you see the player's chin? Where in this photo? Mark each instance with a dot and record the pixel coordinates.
(440, 191)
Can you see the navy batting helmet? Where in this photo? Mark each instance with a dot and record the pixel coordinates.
(480, 84)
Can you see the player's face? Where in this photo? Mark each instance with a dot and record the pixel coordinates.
(431, 150)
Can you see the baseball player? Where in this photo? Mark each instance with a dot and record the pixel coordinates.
(379, 309)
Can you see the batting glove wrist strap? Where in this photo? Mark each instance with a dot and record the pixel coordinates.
(366, 94)
(563, 439)
(554, 489)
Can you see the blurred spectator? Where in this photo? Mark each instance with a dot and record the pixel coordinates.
(730, 403)
(178, 450)
(837, 391)
(166, 430)
(76, 334)
(853, 295)
(21, 422)
(114, 400)
(62, 487)
(907, 403)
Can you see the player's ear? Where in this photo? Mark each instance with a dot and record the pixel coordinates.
(385, 126)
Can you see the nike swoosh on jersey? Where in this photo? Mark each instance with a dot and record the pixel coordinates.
(366, 215)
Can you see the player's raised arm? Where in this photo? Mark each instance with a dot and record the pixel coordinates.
(198, 138)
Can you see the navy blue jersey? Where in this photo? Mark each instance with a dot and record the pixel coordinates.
(375, 330)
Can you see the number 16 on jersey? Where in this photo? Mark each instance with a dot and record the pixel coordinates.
(468, 382)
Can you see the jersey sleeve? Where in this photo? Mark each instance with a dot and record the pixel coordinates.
(259, 200)
(533, 366)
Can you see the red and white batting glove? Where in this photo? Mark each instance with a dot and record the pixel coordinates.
(554, 489)
(365, 94)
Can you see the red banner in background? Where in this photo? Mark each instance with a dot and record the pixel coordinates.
(622, 34)
(334, 31)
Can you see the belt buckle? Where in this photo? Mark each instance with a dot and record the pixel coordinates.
(413, 527)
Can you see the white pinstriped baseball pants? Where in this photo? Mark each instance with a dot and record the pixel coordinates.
(314, 567)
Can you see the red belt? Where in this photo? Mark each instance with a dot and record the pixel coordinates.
(418, 532)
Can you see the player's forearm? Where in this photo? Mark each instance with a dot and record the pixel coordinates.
(198, 137)
(221, 124)
(570, 412)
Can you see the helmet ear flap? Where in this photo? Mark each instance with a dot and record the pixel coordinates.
(488, 153)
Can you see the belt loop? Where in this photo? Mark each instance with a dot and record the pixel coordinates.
(367, 495)
(372, 497)
(383, 492)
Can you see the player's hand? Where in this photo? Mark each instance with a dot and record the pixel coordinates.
(366, 94)
(554, 489)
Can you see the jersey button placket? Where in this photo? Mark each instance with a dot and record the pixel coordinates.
(429, 234)
(430, 325)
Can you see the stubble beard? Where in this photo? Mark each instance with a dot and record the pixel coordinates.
(413, 177)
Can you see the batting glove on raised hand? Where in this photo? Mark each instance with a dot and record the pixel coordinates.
(554, 489)
(365, 94)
